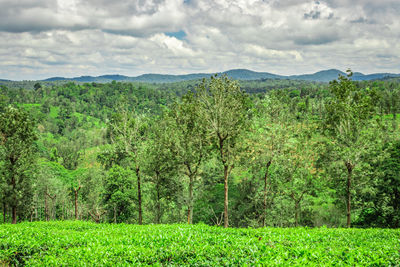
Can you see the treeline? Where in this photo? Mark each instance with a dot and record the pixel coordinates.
(304, 154)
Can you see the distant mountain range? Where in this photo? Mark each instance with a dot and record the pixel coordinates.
(329, 75)
(239, 74)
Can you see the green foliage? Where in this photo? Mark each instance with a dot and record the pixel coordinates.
(289, 149)
(349, 109)
(224, 109)
(188, 141)
(348, 115)
(82, 243)
(127, 132)
(119, 194)
(384, 208)
(161, 168)
(17, 154)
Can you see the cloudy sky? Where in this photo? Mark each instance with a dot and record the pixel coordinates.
(44, 38)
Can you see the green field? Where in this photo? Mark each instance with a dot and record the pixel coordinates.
(82, 243)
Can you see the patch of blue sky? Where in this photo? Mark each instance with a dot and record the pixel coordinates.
(178, 35)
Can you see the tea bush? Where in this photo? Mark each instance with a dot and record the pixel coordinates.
(89, 244)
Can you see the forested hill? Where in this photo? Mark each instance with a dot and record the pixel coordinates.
(176, 88)
(290, 152)
(238, 74)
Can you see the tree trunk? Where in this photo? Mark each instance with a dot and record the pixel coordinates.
(115, 214)
(53, 210)
(226, 174)
(76, 190)
(349, 167)
(14, 204)
(54, 207)
(14, 214)
(190, 204)
(4, 212)
(63, 211)
(76, 205)
(96, 215)
(158, 206)
(296, 213)
(31, 215)
(394, 121)
(226, 202)
(139, 195)
(265, 192)
(46, 206)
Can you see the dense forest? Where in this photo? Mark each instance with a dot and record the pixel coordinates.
(218, 151)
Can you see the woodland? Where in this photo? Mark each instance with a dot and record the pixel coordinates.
(218, 151)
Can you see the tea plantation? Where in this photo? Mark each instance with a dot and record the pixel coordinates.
(89, 244)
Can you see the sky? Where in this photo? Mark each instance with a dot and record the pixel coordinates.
(68, 38)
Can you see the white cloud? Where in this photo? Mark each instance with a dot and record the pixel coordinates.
(42, 38)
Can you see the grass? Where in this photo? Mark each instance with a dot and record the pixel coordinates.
(83, 243)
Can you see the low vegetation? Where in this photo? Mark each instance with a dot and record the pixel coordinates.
(277, 153)
(74, 243)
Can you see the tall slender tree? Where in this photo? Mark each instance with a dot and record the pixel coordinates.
(224, 107)
(128, 133)
(297, 174)
(266, 140)
(17, 137)
(161, 167)
(347, 114)
(188, 142)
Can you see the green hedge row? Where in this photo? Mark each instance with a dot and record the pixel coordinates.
(88, 244)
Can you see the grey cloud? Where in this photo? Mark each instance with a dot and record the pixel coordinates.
(140, 17)
(359, 20)
(40, 38)
(39, 24)
(283, 4)
(54, 63)
(13, 5)
(315, 40)
(384, 56)
(363, 20)
(122, 8)
(43, 16)
(312, 15)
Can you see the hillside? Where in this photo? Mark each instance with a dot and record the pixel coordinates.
(238, 74)
(80, 143)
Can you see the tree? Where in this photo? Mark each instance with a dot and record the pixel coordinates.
(161, 166)
(390, 185)
(50, 188)
(17, 137)
(119, 193)
(390, 101)
(127, 131)
(382, 207)
(296, 172)
(347, 115)
(37, 86)
(188, 142)
(225, 111)
(76, 191)
(69, 152)
(268, 135)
